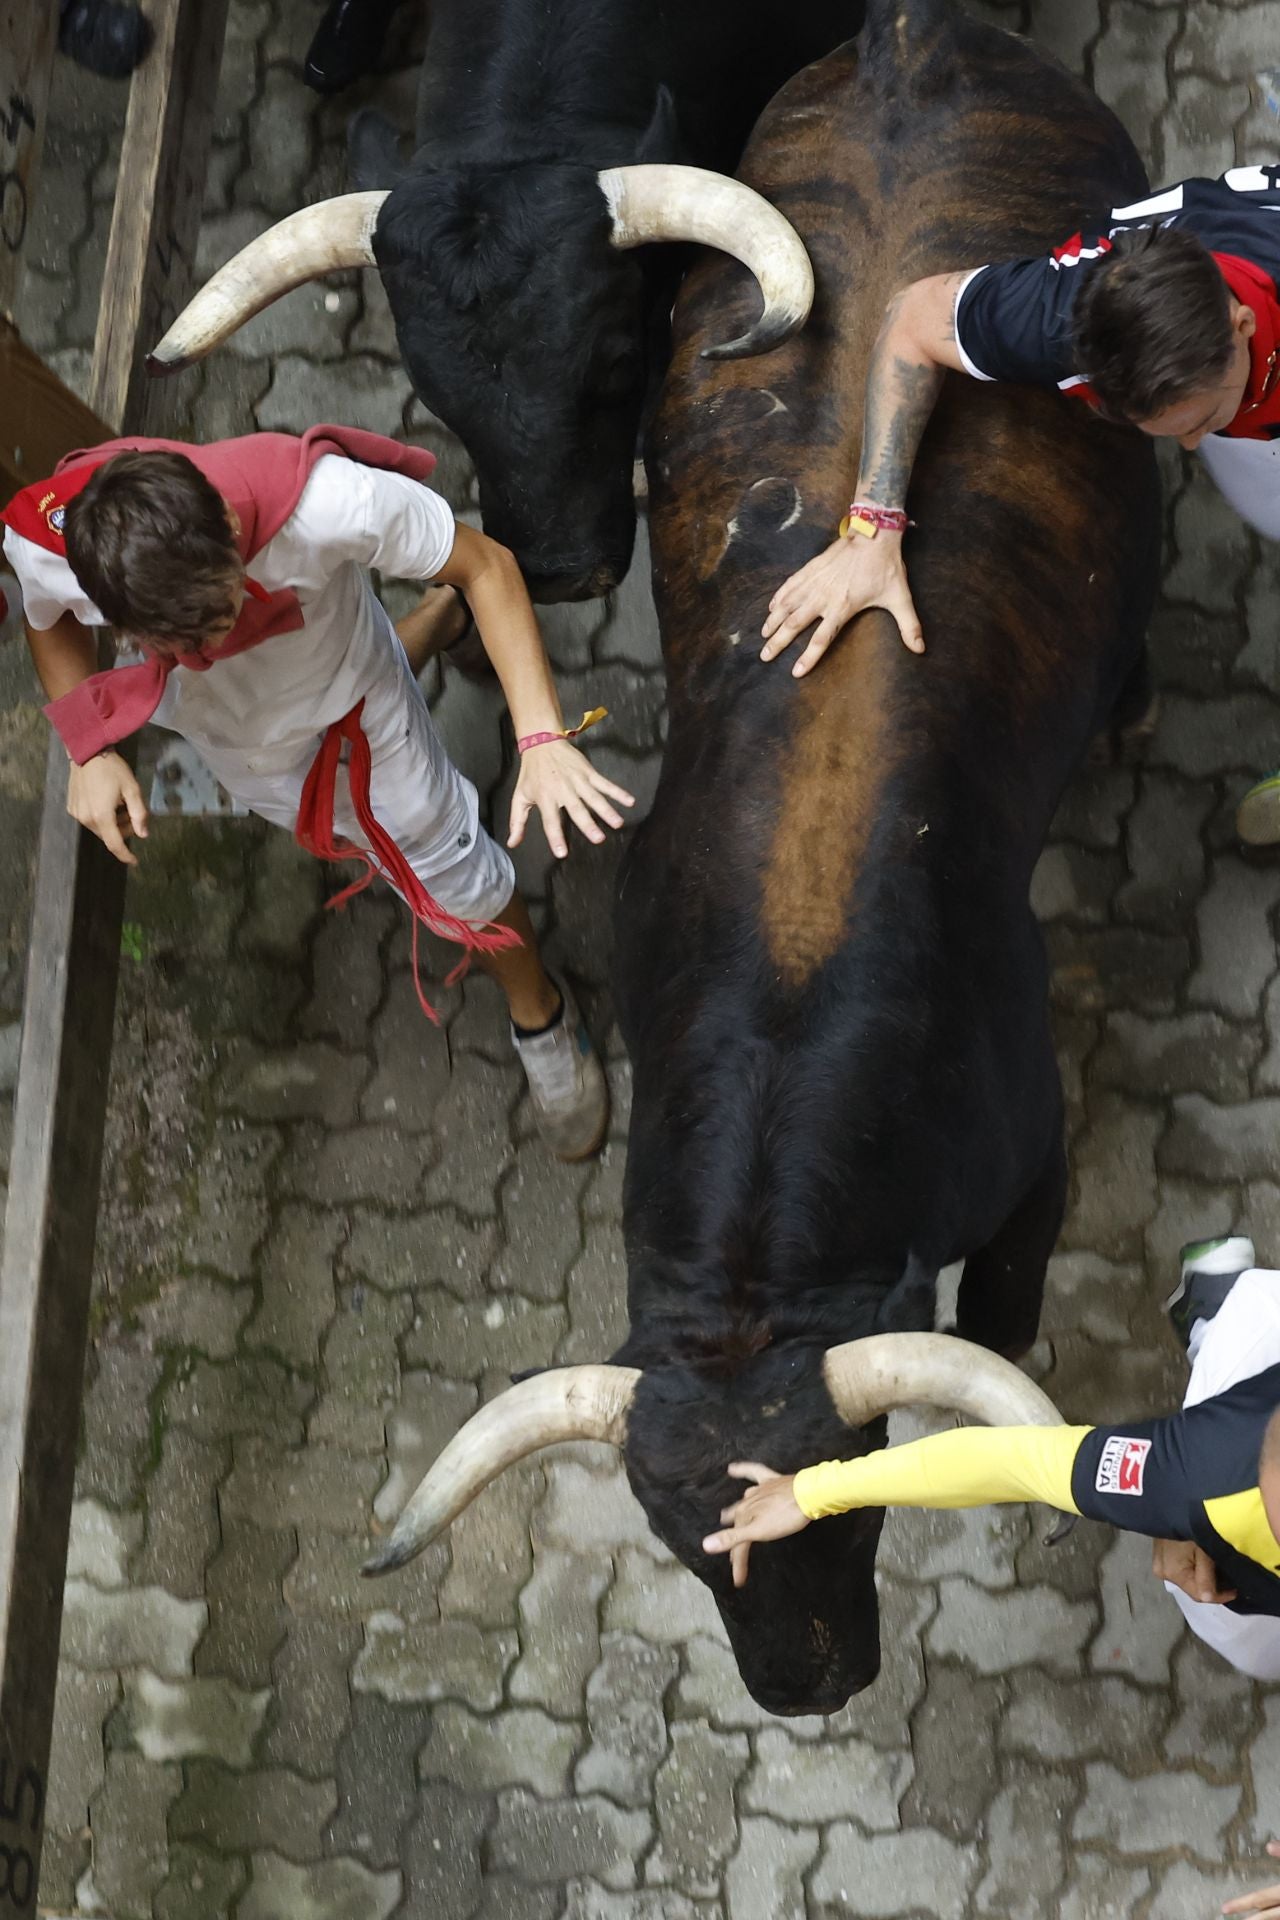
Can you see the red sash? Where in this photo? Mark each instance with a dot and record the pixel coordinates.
(1260, 408)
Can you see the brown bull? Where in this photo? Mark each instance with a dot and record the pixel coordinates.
(831, 983)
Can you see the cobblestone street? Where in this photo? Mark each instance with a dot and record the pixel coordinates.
(329, 1233)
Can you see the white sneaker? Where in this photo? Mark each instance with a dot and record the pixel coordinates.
(1207, 1271)
(566, 1083)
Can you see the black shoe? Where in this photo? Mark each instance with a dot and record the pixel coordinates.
(347, 43)
(107, 37)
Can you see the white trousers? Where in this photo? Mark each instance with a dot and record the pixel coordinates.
(1247, 473)
(430, 810)
(1242, 1338)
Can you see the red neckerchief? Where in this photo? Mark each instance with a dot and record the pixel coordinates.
(261, 476)
(1260, 408)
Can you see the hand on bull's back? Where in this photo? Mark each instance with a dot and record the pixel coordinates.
(850, 576)
(768, 1511)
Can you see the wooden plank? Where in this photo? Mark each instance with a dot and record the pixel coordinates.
(72, 964)
(159, 194)
(28, 36)
(40, 419)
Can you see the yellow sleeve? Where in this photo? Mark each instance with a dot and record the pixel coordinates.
(971, 1467)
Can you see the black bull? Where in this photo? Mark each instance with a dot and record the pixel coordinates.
(832, 987)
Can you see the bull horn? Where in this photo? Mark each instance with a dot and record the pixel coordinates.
(866, 1378)
(314, 240)
(662, 202)
(567, 1403)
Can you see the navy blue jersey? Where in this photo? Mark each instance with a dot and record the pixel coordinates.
(1014, 319)
(1193, 1476)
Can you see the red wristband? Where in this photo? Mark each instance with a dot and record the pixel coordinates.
(868, 519)
(567, 733)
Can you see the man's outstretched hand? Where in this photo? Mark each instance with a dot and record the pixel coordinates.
(850, 576)
(767, 1511)
(1265, 1903)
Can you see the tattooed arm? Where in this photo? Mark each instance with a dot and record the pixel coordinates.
(916, 346)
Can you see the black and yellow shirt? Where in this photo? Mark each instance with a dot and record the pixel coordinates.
(1190, 1476)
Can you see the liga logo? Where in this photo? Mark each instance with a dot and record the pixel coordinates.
(54, 516)
(1122, 1465)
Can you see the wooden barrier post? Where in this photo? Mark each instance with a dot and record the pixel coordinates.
(72, 967)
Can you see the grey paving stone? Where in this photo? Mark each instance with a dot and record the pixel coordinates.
(372, 1163)
(101, 1543)
(598, 1321)
(1147, 1815)
(982, 1543)
(315, 1486)
(446, 1660)
(470, 1125)
(589, 1506)
(251, 1395)
(628, 1734)
(1264, 1762)
(117, 1422)
(439, 1248)
(412, 1073)
(1026, 1856)
(1186, 1892)
(821, 1781)
(540, 1223)
(1216, 1711)
(246, 1614)
(995, 1630)
(326, 1578)
(891, 1873)
(1165, 852)
(1114, 1178)
(186, 1719)
(1074, 883)
(200, 1885)
(1093, 808)
(506, 1898)
(346, 968)
(556, 1840)
(588, 1901)
(183, 1488)
(361, 1371)
(130, 1845)
(693, 1800)
(314, 1082)
(377, 1779)
(1098, 967)
(559, 1631)
(376, 394)
(77, 1761)
(1105, 1718)
(1140, 1625)
(464, 1338)
(138, 1626)
(765, 1878)
(956, 1719)
(1219, 1142)
(312, 1695)
(660, 1602)
(231, 1212)
(1192, 1053)
(329, 1890)
(1237, 945)
(519, 1747)
(1102, 1891)
(1203, 738)
(236, 1812)
(197, 1314)
(491, 1557)
(441, 1856)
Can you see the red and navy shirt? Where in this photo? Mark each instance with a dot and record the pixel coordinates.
(1014, 320)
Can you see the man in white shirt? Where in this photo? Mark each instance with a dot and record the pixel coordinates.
(241, 572)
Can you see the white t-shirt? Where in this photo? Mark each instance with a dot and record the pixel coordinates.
(349, 518)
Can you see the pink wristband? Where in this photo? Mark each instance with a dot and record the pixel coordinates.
(568, 733)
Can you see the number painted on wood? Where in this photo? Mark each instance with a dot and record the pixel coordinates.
(17, 1876)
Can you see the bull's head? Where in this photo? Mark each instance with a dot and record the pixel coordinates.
(804, 1627)
(522, 321)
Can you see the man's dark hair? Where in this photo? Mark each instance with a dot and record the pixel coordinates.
(149, 541)
(1152, 322)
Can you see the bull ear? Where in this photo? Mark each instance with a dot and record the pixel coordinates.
(373, 152)
(660, 140)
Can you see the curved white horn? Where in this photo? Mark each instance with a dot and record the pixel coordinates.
(866, 1378)
(688, 203)
(315, 240)
(568, 1403)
